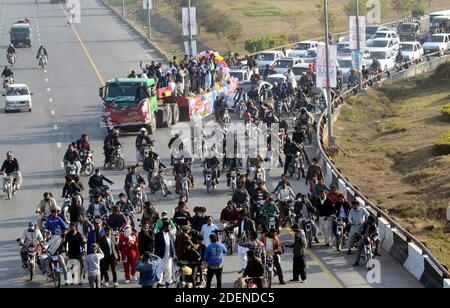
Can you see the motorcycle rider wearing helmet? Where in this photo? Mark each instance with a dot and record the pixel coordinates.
(6, 74)
(11, 165)
(370, 234)
(304, 208)
(133, 179)
(110, 143)
(42, 52)
(213, 163)
(142, 140)
(72, 157)
(31, 237)
(96, 180)
(44, 208)
(54, 223)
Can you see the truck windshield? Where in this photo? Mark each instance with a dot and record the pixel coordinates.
(407, 28)
(266, 56)
(115, 91)
(20, 32)
(407, 47)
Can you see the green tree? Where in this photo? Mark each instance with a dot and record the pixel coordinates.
(332, 17)
(293, 19)
(418, 9)
(402, 7)
(350, 7)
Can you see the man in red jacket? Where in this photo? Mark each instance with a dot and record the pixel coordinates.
(273, 247)
(128, 246)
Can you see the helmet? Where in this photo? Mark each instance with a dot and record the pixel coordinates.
(9, 154)
(186, 271)
(275, 84)
(143, 130)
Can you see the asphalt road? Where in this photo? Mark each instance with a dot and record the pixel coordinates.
(66, 104)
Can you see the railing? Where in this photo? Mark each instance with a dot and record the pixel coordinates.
(374, 208)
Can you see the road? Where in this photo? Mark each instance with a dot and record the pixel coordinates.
(66, 104)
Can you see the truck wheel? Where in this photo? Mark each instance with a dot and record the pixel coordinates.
(153, 125)
(175, 113)
(169, 117)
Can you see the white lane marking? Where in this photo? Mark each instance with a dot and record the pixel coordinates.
(58, 145)
(45, 71)
(39, 40)
(46, 79)
(62, 165)
(55, 127)
(48, 89)
(50, 100)
(52, 112)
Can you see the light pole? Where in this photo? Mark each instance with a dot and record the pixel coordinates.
(123, 8)
(190, 31)
(327, 53)
(149, 4)
(358, 46)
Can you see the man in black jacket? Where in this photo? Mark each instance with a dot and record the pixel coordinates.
(96, 181)
(111, 256)
(76, 209)
(254, 269)
(245, 226)
(75, 245)
(142, 140)
(110, 143)
(326, 211)
(146, 239)
(132, 179)
(72, 157)
(9, 166)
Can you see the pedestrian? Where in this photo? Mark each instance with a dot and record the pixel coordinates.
(108, 245)
(128, 246)
(214, 259)
(146, 239)
(75, 245)
(165, 249)
(208, 229)
(299, 263)
(148, 270)
(182, 240)
(326, 211)
(92, 266)
(245, 227)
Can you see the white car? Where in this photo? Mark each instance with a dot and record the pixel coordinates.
(380, 44)
(385, 34)
(345, 65)
(301, 48)
(282, 65)
(412, 51)
(437, 42)
(385, 57)
(268, 57)
(299, 69)
(279, 78)
(18, 97)
(241, 74)
(310, 56)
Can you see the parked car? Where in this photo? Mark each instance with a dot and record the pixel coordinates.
(268, 57)
(437, 42)
(301, 48)
(18, 97)
(412, 51)
(345, 65)
(310, 56)
(281, 65)
(299, 69)
(385, 34)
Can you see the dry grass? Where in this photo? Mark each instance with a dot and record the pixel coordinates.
(390, 142)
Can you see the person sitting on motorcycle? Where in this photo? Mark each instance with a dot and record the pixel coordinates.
(399, 59)
(117, 219)
(273, 248)
(6, 74)
(149, 214)
(352, 79)
(304, 118)
(182, 215)
(44, 208)
(255, 269)
(83, 144)
(31, 237)
(142, 140)
(10, 166)
(229, 214)
(159, 223)
(96, 180)
(193, 259)
(285, 193)
(283, 178)
(110, 143)
(54, 224)
(213, 163)
(10, 51)
(97, 208)
(304, 208)
(270, 118)
(260, 193)
(253, 94)
(75, 209)
(356, 218)
(42, 52)
(72, 157)
(270, 207)
(240, 196)
(290, 150)
(132, 180)
(369, 233)
(72, 186)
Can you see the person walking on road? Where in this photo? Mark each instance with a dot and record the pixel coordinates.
(109, 247)
(299, 263)
(214, 258)
(165, 249)
(92, 266)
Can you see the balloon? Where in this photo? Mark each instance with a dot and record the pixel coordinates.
(217, 86)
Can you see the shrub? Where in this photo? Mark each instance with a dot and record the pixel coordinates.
(445, 112)
(266, 42)
(442, 146)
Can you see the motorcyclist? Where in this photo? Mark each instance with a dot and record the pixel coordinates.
(72, 186)
(260, 193)
(174, 145)
(314, 170)
(369, 233)
(97, 208)
(290, 149)
(255, 269)
(31, 237)
(96, 180)
(7, 72)
(110, 143)
(240, 196)
(76, 209)
(270, 118)
(213, 163)
(304, 208)
(83, 145)
(270, 208)
(283, 178)
(285, 193)
(253, 94)
(230, 213)
(133, 179)
(72, 157)
(273, 248)
(304, 118)
(117, 219)
(10, 166)
(54, 223)
(149, 214)
(44, 208)
(399, 59)
(42, 52)
(356, 218)
(142, 140)
(10, 51)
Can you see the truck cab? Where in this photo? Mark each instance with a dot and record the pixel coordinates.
(20, 35)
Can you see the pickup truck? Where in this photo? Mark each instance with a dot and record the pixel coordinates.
(437, 42)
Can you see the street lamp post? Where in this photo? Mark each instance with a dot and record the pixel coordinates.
(123, 8)
(190, 30)
(358, 48)
(327, 53)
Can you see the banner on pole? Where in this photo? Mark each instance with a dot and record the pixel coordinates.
(354, 35)
(147, 4)
(185, 20)
(357, 60)
(321, 75)
(194, 48)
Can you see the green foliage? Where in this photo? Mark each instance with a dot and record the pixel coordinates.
(267, 42)
(445, 112)
(402, 7)
(418, 9)
(442, 146)
(350, 8)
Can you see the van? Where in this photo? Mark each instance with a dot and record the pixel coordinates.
(20, 35)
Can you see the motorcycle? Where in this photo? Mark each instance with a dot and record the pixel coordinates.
(43, 61)
(257, 174)
(117, 159)
(138, 197)
(307, 227)
(52, 256)
(282, 106)
(269, 270)
(10, 186)
(71, 169)
(271, 222)
(185, 187)
(144, 149)
(210, 180)
(32, 257)
(11, 58)
(297, 167)
(367, 253)
(233, 175)
(159, 182)
(340, 233)
(87, 166)
(241, 109)
(229, 238)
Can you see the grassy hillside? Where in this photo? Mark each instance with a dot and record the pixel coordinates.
(389, 135)
(258, 18)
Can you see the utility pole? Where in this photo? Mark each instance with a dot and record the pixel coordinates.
(149, 6)
(123, 8)
(190, 30)
(327, 44)
(358, 47)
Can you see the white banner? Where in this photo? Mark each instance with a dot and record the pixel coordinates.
(194, 48)
(185, 20)
(321, 74)
(147, 4)
(353, 32)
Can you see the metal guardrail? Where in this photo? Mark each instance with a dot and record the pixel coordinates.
(379, 212)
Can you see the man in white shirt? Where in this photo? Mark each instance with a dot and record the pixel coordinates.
(165, 249)
(356, 218)
(290, 78)
(92, 266)
(208, 229)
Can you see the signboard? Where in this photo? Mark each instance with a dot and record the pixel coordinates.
(194, 47)
(356, 60)
(353, 32)
(321, 71)
(185, 20)
(147, 4)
